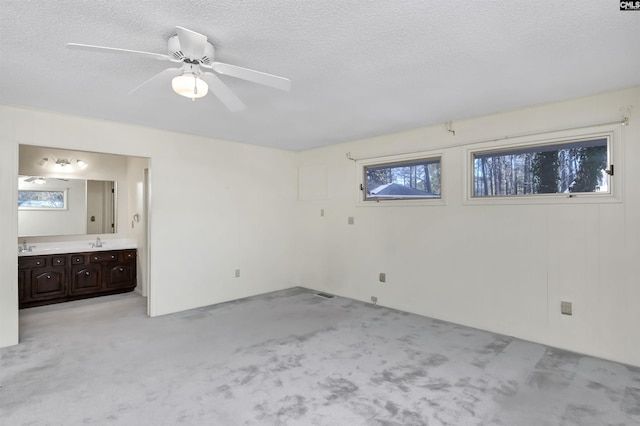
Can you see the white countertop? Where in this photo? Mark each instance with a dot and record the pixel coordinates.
(40, 249)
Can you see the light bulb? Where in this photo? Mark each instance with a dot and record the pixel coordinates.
(189, 86)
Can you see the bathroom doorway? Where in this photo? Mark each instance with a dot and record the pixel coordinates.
(127, 211)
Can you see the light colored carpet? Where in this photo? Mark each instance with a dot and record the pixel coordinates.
(292, 358)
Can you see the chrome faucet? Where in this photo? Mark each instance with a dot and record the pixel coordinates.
(24, 247)
(97, 243)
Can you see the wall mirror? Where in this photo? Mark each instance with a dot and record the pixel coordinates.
(50, 206)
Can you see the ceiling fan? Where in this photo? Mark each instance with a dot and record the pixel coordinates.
(195, 73)
(40, 180)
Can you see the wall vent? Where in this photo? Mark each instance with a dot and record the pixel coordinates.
(325, 295)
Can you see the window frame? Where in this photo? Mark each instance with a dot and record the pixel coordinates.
(363, 164)
(609, 132)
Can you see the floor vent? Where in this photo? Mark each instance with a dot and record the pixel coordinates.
(325, 295)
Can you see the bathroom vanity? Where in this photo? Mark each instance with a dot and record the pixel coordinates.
(53, 275)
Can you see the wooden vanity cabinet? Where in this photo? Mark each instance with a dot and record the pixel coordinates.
(59, 278)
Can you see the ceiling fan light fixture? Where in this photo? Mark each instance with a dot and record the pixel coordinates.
(189, 86)
(39, 181)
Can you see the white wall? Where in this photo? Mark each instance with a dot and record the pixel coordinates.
(503, 268)
(8, 231)
(217, 206)
(136, 218)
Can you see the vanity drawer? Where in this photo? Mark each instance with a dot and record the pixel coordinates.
(128, 255)
(31, 262)
(77, 259)
(58, 261)
(103, 256)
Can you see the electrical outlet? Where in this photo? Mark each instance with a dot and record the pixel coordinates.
(237, 273)
(383, 277)
(351, 220)
(566, 308)
(374, 300)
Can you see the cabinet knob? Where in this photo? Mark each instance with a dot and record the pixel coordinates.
(37, 263)
(95, 258)
(112, 256)
(121, 269)
(48, 277)
(86, 273)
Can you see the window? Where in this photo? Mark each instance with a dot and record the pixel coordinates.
(42, 200)
(570, 167)
(414, 179)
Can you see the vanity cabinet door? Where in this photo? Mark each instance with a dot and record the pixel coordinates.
(85, 279)
(48, 283)
(38, 282)
(120, 275)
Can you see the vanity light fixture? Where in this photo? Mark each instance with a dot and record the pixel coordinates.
(190, 85)
(63, 165)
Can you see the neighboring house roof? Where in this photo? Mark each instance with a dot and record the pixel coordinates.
(397, 190)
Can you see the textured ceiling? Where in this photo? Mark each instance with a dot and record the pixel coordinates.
(358, 68)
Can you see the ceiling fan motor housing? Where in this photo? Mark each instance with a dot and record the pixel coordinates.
(175, 52)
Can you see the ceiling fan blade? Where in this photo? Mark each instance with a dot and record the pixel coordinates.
(159, 76)
(222, 92)
(31, 179)
(192, 44)
(89, 47)
(253, 75)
